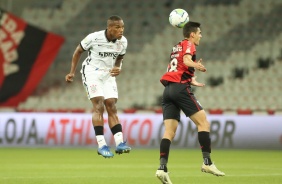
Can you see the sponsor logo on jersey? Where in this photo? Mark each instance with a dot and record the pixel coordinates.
(177, 48)
(109, 54)
(174, 56)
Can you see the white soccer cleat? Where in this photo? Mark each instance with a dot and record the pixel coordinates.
(212, 170)
(163, 177)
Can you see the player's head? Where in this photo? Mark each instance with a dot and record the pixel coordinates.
(115, 27)
(192, 31)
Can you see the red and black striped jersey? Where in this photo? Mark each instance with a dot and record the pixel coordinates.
(177, 71)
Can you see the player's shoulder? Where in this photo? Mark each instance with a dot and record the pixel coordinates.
(186, 42)
(123, 39)
(97, 34)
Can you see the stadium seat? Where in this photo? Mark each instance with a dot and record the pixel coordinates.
(244, 111)
(129, 110)
(215, 111)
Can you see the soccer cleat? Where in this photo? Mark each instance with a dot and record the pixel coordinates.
(105, 152)
(163, 177)
(122, 148)
(212, 170)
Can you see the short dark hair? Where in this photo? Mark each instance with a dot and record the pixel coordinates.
(115, 18)
(189, 28)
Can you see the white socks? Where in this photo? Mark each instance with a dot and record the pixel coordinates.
(101, 140)
(118, 138)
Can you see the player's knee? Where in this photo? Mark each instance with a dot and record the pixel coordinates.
(204, 125)
(111, 106)
(173, 135)
(98, 108)
(169, 134)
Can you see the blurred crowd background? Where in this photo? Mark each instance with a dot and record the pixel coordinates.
(241, 48)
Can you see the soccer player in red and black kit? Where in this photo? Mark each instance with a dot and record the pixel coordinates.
(178, 96)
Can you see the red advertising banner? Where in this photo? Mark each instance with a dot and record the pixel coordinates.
(26, 52)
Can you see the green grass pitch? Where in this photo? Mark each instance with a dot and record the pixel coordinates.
(84, 166)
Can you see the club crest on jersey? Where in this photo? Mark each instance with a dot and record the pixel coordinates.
(109, 54)
(119, 46)
(188, 50)
(93, 88)
(115, 88)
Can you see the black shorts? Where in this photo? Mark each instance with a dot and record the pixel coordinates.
(177, 97)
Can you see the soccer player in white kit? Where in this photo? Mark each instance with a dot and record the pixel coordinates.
(106, 49)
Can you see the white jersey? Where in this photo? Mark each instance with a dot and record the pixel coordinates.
(102, 53)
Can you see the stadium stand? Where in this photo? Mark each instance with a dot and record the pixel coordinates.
(236, 34)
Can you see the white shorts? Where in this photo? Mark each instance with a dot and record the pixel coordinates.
(98, 82)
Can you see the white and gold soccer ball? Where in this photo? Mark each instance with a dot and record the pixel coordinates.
(178, 18)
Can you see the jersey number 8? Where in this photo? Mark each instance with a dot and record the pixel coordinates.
(172, 66)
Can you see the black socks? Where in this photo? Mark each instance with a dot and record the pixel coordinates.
(164, 153)
(115, 129)
(99, 130)
(205, 142)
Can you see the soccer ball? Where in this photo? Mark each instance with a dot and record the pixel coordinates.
(178, 18)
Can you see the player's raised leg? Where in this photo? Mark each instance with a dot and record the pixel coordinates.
(98, 123)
